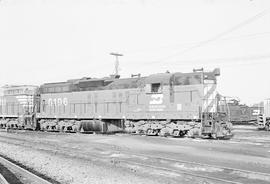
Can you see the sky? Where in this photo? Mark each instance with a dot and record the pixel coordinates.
(55, 40)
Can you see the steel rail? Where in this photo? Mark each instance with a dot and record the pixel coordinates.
(3, 180)
(181, 172)
(180, 161)
(22, 171)
(202, 164)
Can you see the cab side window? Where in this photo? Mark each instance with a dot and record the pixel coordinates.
(155, 88)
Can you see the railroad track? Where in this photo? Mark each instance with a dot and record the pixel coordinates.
(146, 167)
(3, 180)
(211, 173)
(205, 178)
(26, 177)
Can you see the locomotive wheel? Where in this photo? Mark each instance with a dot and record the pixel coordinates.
(176, 133)
(65, 129)
(182, 133)
(61, 129)
(41, 128)
(150, 131)
(57, 128)
(214, 136)
(74, 128)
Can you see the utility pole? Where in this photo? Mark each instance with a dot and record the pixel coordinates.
(116, 66)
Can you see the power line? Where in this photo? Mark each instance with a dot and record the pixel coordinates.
(186, 44)
(202, 43)
(253, 59)
(228, 59)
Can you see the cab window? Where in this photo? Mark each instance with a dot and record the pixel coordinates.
(155, 88)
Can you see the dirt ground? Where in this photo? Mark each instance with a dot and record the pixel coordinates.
(124, 158)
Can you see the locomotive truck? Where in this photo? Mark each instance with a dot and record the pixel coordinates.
(174, 104)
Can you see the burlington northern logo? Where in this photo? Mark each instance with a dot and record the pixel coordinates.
(156, 99)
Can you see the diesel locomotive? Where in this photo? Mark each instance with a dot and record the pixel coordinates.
(175, 104)
(241, 113)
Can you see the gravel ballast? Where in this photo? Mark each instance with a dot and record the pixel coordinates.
(68, 170)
